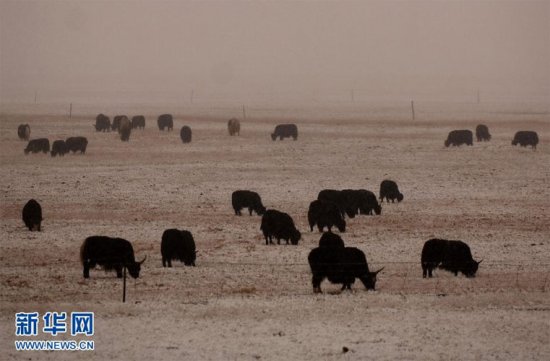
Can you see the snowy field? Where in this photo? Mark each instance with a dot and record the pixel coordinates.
(249, 301)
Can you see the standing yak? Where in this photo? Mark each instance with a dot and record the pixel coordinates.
(185, 134)
(111, 254)
(482, 133)
(390, 191)
(459, 137)
(24, 131)
(525, 138)
(76, 144)
(279, 225)
(325, 214)
(285, 131)
(452, 256)
(59, 147)
(341, 265)
(125, 129)
(138, 121)
(165, 121)
(234, 126)
(247, 199)
(38, 145)
(32, 215)
(102, 123)
(116, 122)
(179, 245)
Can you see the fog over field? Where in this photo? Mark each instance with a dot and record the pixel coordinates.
(373, 87)
(246, 52)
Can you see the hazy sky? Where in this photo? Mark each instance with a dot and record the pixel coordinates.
(246, 47)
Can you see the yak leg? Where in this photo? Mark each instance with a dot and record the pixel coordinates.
(316, 281)
(163, 262)
(118, 271)
(86, 270)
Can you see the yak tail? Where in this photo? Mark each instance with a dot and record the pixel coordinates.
(82, 252)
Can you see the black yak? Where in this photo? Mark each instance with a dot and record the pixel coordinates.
(38, 145)
(165, 121)
(279, 225)
(525, 138)
(247, 199)
(138, 121)
(24, 131)
(125, 129)
(59, 147)
(453, 256)
(368, 203)
(285, 131)
(116, 122)
(77, 144)
(459, 137)
(102, 123)
(234, 126)
(331, 240)
(340, 265)
(482, 133)
(325, 214)
(178, 245)
(390, 191)
(32, 215)
(111, 254)
(185, 134)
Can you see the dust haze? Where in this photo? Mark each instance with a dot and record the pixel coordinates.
(160, 51)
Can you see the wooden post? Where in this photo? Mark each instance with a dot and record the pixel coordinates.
(412, 109)
(71, 111)
(244, 112)
(124, 286)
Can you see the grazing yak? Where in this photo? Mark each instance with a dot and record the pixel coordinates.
(24, 131)
(59, 147)
(116, 122)
(459, 137)
(331, 240)
(32, 215)
(111, 254)
(125, 129)
(525, 138)
(368, 203)
(453, 256)
(340, 265)
(285, 131)
(165, 121)
(77, 144)
(352, 202)
(279, 225)
(482, 133)
(179, 245)
(390, 191)
(247, 199)
(325, 214)
(138, 121)
(102, 123)
(234, 126)
(38, 145)
(185, 134)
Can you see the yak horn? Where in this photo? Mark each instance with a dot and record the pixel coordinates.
(143, 260)
(379, 270)
(480, 262)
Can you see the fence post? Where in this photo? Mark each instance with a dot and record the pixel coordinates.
(124, 286)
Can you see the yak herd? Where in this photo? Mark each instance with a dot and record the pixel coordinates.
(331, 260)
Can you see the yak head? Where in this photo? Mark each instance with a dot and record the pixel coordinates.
(135, 267)
(400, 197)
(341, 224)
(471, 269)
(447, 143)
(260, 209)
(369, 279)
(378, 209)
(273, 136)
(295, 237)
